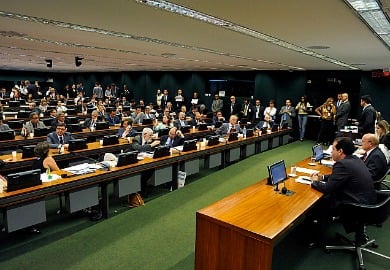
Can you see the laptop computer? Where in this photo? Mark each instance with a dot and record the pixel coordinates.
(41, 132)
(147, 121)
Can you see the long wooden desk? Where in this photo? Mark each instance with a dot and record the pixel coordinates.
(240, 231)
(11, 200)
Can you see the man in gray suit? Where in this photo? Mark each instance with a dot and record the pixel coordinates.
(34, 122)
(286, 113)
(60, 137)
(343, 112)
(144, 142)
(232, 126)
(217, 104)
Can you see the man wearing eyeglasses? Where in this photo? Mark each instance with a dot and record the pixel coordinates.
(34, 122)
(59, 137)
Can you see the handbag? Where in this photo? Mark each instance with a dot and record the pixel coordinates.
(135, 200)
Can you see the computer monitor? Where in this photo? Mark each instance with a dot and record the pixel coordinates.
(249, 133)
(28, 151)
(185, 129)
(127, 158)
(20, 180)
(163, 132)
(73, 119)
(285, 125)
(218, 124)
(263, 130)
(74, 128)
(7, 135)
(277, 173)
(202, 127)
(189, 145)
(275, 127)
(77, 144)
(24, 114)
(110, 140)
(14, 103)
(40, 132)
(148, 121)
(101, 125)
(161, 151)
(318, 152)
(213, 140)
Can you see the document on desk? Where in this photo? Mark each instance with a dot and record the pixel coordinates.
(303, 180)
(306, 170)
(45, 177)
(327, 162)
(81, 169)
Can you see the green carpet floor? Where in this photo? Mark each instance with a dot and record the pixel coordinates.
(161, 234)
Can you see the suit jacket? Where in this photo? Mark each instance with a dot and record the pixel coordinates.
(259, 112)
(235, 111)
(350, 182)
(30, 128)
(137, 145)
(225, 128)
(288, 116)
(342, 114)
(176, 141)
(140, 118)
(113, 121)
(54, 141)
(132, 132)
(217, 105)
(367, 120)
(249, 112)
(88, 122)
(165, 100)
(376, 163)
(178, 125)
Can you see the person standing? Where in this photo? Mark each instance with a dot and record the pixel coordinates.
(217, 104)
(326, 111)
(258, 112)
(342, 113)
(367, 120)
(303, 107)
(286, 113)
(98, 90)
(233, 108)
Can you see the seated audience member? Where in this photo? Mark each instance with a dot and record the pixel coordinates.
(136, 115)
(227, 128)
(144, 142)
(198, 119)
(218, 117)
(164, 124)
(126, 130)
(181, 121)
(61, 107)
(91, 122)
(349, 182)
(53, 114)
(44, 161)
(33, 108)
(34, 122)
(112, 119)
(60, 119)
(174, 138)
(373, 157)
(4, 94)
(43, 106)
(381, 129)
(59, 137)
(144, 115)
(3, 126)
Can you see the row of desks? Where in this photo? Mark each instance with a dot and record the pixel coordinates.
(82, 191)
(240, 231)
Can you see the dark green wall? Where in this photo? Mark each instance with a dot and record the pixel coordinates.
(277, 85)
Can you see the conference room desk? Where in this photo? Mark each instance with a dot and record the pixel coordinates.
(240, 231)
(34, 197)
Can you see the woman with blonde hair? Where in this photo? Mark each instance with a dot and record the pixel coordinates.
(326, 111)
(381, 129)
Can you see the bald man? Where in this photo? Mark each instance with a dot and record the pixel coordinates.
(374, 158)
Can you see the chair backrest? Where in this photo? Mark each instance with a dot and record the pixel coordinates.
(361, 214)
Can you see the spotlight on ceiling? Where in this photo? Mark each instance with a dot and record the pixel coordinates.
(78, 61)
(49, 63)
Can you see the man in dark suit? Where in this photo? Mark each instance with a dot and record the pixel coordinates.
(246, 110)
(181, 121)
(227, 128)
(165, 99)
(257, 112)
(367, 119)
(343, 112)
(350, 182)
(174, 138)
(59, 137)
(144, 142)
(232, 108)
(374, 158)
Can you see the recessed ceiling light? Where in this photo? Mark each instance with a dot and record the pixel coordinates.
(168, 54)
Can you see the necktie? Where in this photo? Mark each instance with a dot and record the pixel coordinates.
(364, 157)
(61, 140)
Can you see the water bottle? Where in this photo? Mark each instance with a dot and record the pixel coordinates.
(244, 132)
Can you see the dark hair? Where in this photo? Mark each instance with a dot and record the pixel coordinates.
(366, 99)
(42, 149)
(33, 114)
(61, 125)
(346, 144)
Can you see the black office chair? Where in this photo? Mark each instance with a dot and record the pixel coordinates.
(355, 217)
(382, 184)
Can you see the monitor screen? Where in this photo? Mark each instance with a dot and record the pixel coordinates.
(127, 158)
(318, 152)
(20, 180)
(277, 172)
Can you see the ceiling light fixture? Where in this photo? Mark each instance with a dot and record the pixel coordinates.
(181, 10)
(374, 17)
(49, 63)
(78, 61)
